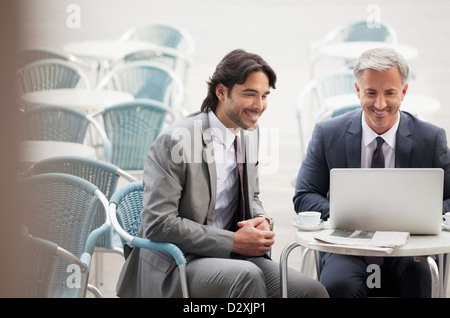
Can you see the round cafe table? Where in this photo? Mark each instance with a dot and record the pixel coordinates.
(84, 99)
(32, 151)
(417, 245)
(106, 50)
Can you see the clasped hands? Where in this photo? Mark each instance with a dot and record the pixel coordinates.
(254, 237)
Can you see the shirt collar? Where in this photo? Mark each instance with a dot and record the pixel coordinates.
(219, 131)
(389, 136)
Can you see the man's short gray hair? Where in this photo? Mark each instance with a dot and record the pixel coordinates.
(381, 59)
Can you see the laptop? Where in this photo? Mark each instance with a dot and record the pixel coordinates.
(405, 200)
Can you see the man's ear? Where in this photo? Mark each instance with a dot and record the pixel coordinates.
(221, 91)
(405, 88)
(357, 90)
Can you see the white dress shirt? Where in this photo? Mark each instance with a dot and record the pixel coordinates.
(369, 144)
(227, 172)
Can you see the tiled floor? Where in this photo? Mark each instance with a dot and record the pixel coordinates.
(281, 32)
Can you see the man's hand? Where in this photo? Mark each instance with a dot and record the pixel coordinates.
(254, 237)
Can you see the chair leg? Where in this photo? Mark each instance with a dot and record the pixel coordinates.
(283, 267)
(435, 286)
(94, 290)
(184, 282)
(445, 267)
(318, 263)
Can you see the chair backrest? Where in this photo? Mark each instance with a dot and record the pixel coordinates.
(60, 123)
(164, 35)
(40, 262)
(362, 31)
(40, 267)
(144, 79)
(35, 54)
(128, 201)
(102, 174)
(354, 31)
(132, 127)
(337, 83)
(126, 206)
(60, 208)
(50, 74)
(173, 59)
(48, 122)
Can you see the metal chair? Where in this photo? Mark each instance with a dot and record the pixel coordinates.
(354, 31)
(60, 208)
(125, 213)
(144, 79)
(132, 127)
(40, 267)
(162, 34)
(60, 123)
(102, 174)
(175, 60)
(50, 74)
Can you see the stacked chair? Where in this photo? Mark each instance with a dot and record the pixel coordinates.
(162, 34)
(50, 74)
(132, 127)
(67, 198)
(59, 209)
(60, 123)
(353, 31)
(106, 177)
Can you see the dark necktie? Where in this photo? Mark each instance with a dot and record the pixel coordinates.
(241, 192)
(378, 156)
(377, 162)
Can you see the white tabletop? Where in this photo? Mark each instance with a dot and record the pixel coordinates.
(83, 99)
(351, 50)
(417, 245)
(110, 50)
(32, 151)
(413, 103)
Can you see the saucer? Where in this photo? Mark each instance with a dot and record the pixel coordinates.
(315, 227)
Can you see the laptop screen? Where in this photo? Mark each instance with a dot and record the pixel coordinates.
(406, 200)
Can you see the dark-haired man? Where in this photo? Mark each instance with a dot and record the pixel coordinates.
(194, 199)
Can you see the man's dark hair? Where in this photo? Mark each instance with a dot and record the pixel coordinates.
(234, 68)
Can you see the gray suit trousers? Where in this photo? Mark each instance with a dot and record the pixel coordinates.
(254, 277)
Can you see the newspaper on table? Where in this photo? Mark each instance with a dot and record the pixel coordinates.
(381, 241)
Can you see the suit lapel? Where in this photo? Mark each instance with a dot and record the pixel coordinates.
(208, 159)
(353, 142)
(403, 143)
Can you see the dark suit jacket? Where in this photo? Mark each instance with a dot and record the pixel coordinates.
(336, 143)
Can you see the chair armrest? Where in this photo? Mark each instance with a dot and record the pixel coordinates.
(170, 248)
(94, 236)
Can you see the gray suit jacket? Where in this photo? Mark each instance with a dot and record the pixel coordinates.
(336, 143)
(179, 202)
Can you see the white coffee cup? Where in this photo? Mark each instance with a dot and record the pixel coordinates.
(309, 218)
(447, 219)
